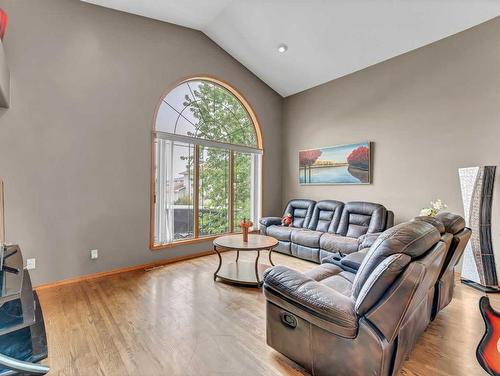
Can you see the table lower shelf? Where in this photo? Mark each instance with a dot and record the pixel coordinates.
(242, 273)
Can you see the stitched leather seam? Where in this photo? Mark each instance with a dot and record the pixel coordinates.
(409, 300)
(394, 291)
(369, 327)
(341, 276)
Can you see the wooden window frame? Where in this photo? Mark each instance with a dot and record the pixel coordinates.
(259, 140)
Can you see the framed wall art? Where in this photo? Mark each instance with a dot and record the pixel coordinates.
(341, 164)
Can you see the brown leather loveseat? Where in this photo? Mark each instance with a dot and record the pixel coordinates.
(335, 322)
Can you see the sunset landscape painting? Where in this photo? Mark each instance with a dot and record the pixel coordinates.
(342, 164)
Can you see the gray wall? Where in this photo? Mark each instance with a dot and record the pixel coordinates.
(428, 113)
(75, 144)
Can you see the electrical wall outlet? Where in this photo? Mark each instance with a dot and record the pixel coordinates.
(94, 253)
(30, 263)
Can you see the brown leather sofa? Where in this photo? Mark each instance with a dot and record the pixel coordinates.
(325, 228)
(335, 322)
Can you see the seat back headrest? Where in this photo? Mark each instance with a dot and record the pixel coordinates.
(326, 216)
(301, 212)
(433, 221)
(453, 223)
(414, 239)
(359, 218)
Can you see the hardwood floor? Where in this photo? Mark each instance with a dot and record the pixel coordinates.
(175, 320)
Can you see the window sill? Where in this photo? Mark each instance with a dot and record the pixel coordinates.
(203, 239)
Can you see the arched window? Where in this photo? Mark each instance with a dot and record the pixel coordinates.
(206, 163)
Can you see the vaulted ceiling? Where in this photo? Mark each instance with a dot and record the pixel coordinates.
(325, 39)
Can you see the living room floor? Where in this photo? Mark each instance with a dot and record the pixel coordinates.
(175, 320)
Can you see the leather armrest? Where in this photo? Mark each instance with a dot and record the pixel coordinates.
(366, 240)
(353, 260)
(269, 221)
(311, 296)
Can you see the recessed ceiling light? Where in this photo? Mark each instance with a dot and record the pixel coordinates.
(282, 48)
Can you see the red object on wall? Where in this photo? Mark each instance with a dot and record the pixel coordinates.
(308, 157)
(3, 23)
(359, 158)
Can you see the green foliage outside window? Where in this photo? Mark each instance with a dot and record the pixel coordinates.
(221, 117)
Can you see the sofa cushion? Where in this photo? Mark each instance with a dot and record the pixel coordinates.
(323, 271)
(338, 243)
(283, 247)
(307, 238)
(348, 275)
(301, 212)
(453, 223)
(332, 276)
(280, 232)
(411, 238)
(340, 283)
(304, 252)
(326, 216)
(359, 218)
(433, 221)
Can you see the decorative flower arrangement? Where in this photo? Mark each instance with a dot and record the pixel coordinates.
(436, 207)
(245, 225)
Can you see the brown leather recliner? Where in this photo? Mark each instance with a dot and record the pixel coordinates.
(333, 322)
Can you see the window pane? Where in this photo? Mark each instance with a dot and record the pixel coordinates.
(205, 110)
(213, 191)
(174, 204)
(243, 188)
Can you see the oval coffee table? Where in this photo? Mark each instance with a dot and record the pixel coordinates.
(243, 272)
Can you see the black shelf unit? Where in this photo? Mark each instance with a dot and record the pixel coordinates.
(23, 341)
